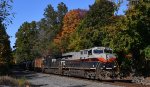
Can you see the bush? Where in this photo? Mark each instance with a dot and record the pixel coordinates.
(4, 69)
(147, 53)
(9, 81)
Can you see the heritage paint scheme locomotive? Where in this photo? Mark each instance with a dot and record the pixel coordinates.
(94, 63)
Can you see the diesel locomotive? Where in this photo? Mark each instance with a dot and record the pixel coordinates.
(94, 63)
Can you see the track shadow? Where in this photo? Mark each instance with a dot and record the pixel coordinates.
(124, 81)
(78, 86)
(24, 74)
(38, 85)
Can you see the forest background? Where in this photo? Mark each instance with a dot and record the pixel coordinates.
(63, 31)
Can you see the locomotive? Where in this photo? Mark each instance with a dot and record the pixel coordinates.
(94, 63)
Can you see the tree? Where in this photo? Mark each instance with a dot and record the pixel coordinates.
(147, 52)
(61, 12)
(25, 43)
(50, 15)
(128, 35)
(138, 23)
(117, 36)
(97, 1)
(6, 58)
(5, 10)
(53, 19)
(89, 31)
(5, 49)
(70, 23)
(49, 26)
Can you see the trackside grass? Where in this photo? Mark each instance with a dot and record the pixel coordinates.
(9, 81)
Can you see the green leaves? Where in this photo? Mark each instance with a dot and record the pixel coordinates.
(35, 39)
(5, 49)
(62, 10)
(89, 32)
(147, 52)
(26, 41)
(5, 11)
(127, 34)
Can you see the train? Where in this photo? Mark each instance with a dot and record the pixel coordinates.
(94, 63)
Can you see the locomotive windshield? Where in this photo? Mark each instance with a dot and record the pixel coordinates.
(98, 51)
(107, 51)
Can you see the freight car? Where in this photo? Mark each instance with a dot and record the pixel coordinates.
(94, 63)
(38, 64)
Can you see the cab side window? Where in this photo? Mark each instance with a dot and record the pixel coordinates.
(90, 52)
(81, 52)
(85, 51)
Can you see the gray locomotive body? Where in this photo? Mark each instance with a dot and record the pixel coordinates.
(93, 63)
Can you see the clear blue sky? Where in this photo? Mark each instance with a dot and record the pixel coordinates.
(32, 10)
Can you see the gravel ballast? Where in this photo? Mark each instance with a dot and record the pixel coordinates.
(48, 80)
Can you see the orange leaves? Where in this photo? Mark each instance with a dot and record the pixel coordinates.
(70, 22)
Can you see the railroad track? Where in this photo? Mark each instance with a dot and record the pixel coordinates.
(124, 83)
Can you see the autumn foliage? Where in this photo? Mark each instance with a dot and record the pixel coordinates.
(70, 22)
(62, 31)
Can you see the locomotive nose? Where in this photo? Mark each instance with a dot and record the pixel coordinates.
(110, 57)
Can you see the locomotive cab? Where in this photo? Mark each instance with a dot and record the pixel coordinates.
(102, 54)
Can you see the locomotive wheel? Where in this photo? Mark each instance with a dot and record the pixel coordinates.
(86, 75)
(43, 69)
(103, 75)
